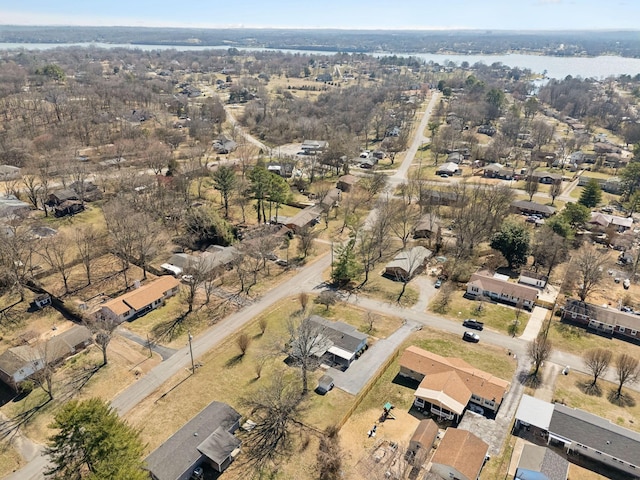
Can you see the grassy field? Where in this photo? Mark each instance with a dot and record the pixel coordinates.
(496, 317)
(388, 290)
(569, 389)
(10, 459)
(227, 376)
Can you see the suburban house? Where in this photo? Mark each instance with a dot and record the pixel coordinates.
(602, 320)
(460, 455)
(427, 226)
(19, 363)
(455, 157)
(344, 342)
(547, 177)
(500, 289)
(331, 199)
(406, 264)
(347, 182)
(497, 170)
(605, 220)
(224, 145)
(312, 147)
(68, 207)
(207, 439)
(448, 385)
(609, 185)
(533, 278)
(438, 197)
(60, 196)
(422, 441)
(9, 172)
(87, 191)
(487, 130)
(11, 206)
(581, 433)
(578, 158)
(532, 208)
(307, 217)
(284, 169)
(141, 300)
(449, 168)
(215, 257)
(541, 463)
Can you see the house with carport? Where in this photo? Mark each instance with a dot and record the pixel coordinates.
(206, 440)
(580, 433)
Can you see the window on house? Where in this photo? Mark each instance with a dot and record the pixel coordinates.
(574, 315)
(621, 329)
(633, 332)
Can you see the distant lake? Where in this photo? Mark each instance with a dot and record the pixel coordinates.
(555, 67)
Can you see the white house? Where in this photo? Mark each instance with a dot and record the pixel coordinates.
(533, 278)
(501, 290)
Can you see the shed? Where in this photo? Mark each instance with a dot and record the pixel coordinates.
(422, 440)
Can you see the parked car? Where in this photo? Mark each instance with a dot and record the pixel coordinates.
(471, 337)
(473, 323)
(438, 283)
(444, 175)
(476, 408)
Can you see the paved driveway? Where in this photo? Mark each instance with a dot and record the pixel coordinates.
(363, 369)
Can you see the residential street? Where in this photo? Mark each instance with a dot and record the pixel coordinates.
(309, 279)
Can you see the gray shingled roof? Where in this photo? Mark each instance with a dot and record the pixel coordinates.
(180, 452)
(596, 432)
(609, 316)
(342, 335)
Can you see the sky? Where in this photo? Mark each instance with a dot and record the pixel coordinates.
(343, 14)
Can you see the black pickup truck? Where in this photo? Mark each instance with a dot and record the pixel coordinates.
(472, 323)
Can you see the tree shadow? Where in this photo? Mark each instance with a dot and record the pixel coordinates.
(528, 379)
(588, 388)
(624, 400)
(10, 427)
(169, 330)
(78, 381)
(233, 361)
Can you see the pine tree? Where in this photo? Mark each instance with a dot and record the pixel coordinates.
(591, 195)
(93, 443)
(346, 267)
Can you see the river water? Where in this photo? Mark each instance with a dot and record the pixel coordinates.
(554, 67)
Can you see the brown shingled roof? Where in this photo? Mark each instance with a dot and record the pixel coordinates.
(480, 383)
(463, 451)
(143, 296)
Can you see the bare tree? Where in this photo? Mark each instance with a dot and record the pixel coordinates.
(55, 252)
(404, 218)
(555, 191)
(373, 184)
(32, 189)
(243, 341)
(597, 360)
(45, 357)
(327, 298)
(539, 350)
(531, 184)
(274, 407)
(590, 264)
(102, 328)
(120, 220)
(367, 252)
(330, 455)
(308, 341)
(89, 244)
(306, 236)
(303, 298)
(627, 370)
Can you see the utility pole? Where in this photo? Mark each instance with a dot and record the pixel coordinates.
(193, 365)
(149, 345)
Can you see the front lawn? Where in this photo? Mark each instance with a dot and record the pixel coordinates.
(495, 316)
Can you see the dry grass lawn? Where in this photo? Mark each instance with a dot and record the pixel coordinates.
(79, 379)
(390, 388)
(568, 389)
(495, 316)
(10, 459)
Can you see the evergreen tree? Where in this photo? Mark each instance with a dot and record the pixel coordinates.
(224, 180)
(591, 195)
(513, 242)
(346, 267)
(93, 443)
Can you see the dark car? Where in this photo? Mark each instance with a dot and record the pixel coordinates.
(473, 323)
(471, 337)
